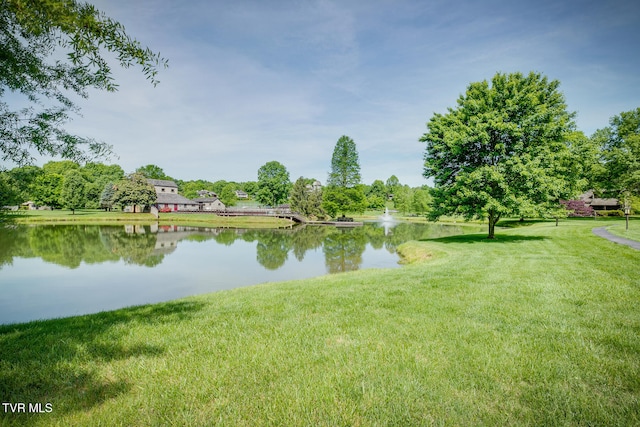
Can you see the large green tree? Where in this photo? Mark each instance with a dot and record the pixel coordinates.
(20, 182)
(338, 200)
(273, 184)
(620, 145)
(421, 202)
(392, 184)
(501, 150)
(98, 176)
(305, 199)
(153, 172)
(228, 195)
(134, 190)
(345, 166)
(51, 50)
(377, 195)
(343, 192)
(46, 189)
(72, 194)
(403, 199)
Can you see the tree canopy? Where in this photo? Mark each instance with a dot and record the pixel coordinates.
(153, 172)
(343, 192)
(35, 36)
(620, 155)
(273, 184)
(345, 167)
(305, 200)
(134, 190)
(501, 151)
(73, 190)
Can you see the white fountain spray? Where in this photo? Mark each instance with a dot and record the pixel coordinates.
(388, 222)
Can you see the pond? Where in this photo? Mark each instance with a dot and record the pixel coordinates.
(49, 271)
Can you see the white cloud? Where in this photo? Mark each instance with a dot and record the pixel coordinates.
(250, 81)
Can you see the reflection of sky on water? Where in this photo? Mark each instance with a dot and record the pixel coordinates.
(34, 289)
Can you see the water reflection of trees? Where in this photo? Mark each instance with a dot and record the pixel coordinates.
(13, 242)
(68, 245)
(272, 250)
(137, 248)
(343, 249)
(71, 245)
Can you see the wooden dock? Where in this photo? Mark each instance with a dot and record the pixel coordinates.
(342, 224)
(277, 213)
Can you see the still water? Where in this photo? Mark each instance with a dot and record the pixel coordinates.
(49, 271)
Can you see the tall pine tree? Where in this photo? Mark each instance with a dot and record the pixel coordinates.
(344, 192)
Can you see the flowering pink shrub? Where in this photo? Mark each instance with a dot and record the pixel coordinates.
(577, 208)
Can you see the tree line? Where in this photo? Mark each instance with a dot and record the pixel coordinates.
(71, 185)
(509, 147)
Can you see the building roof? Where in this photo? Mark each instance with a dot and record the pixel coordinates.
(205, 199)
(604, 202)
(173, 198)
(161, 183)
(586, 196)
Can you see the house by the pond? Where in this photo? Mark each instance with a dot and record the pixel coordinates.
(206, 193)
(315, 186)
(209, 204)
(599, 204)
(168, 198)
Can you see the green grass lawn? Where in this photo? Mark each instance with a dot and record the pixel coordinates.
(538, 327)
(632, 233)
(92, 216)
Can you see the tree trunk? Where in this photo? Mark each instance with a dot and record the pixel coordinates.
(493, 220)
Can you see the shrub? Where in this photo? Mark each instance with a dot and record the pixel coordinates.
(577, 208)
(616, 212)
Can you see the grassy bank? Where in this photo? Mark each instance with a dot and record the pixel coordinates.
(97, 216)
(619, 229)
(540, 326)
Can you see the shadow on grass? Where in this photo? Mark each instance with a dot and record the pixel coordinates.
(482, 238)
(516, 223)
(55, 361)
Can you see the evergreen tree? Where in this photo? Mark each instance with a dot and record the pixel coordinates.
(299, 196)
(106, 197)
(345, 167)
(306, 201)
(343, 192)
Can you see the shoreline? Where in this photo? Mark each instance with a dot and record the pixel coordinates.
(467, 325)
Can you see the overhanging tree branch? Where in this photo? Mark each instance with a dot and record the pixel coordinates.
(32, 34)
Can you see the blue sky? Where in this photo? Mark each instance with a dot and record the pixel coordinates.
(255, 81)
